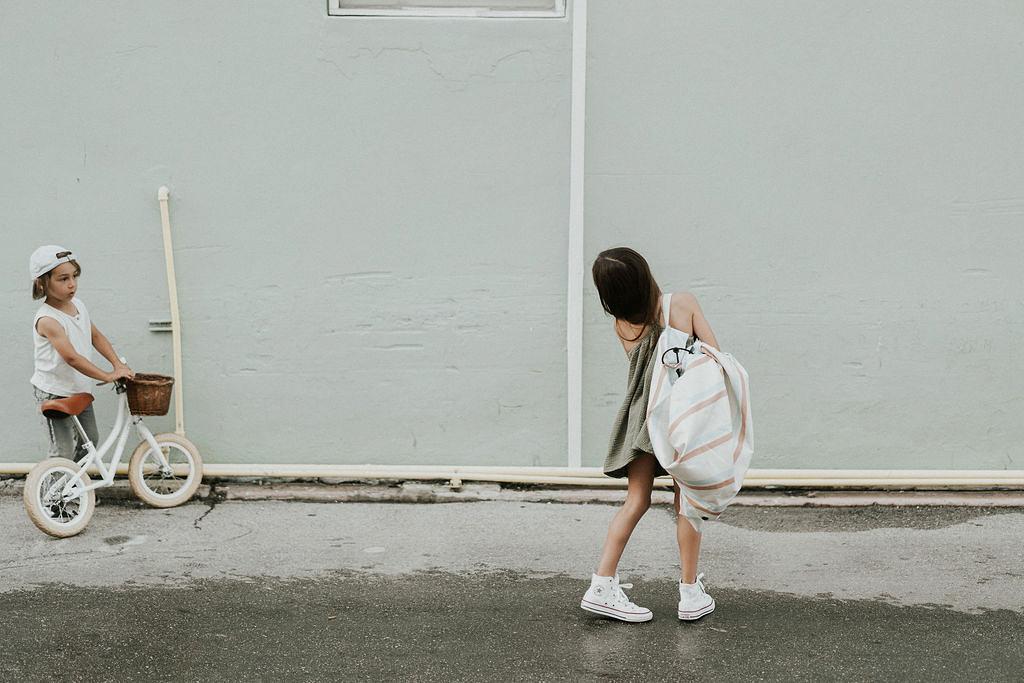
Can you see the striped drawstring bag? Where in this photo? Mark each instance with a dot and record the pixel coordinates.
(698, 417)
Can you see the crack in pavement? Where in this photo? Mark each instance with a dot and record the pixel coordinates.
(213, 498)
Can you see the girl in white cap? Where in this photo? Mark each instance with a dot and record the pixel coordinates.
(64, 340)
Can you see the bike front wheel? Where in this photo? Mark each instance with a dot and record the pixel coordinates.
(161, 485)
(55, 511)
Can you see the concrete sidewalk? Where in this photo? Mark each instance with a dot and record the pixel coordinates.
(226, 590)
(375, 491)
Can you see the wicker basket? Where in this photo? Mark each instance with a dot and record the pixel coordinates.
(149, 394)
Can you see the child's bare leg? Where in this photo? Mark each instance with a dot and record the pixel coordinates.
(638, 499)
(689, 543)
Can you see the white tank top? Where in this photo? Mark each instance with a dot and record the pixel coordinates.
(52, 373)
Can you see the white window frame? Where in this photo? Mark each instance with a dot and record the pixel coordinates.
(335, 9)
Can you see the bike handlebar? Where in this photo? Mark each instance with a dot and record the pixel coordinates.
(119, 384)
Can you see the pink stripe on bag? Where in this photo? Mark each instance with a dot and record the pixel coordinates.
(694, 503)
(696, 408)
(743, 418)
(699, 362)
(711, 487)
(657, 392)
(703, 449)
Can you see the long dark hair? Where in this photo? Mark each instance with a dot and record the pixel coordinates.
(627, 289)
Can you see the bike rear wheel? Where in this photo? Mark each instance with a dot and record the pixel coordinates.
(57, 513)
(161, 486)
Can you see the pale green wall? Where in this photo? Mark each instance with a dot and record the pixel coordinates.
(842, 185)
(371, 218)
(369, 215)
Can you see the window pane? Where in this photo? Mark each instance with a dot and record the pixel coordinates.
(499, 5)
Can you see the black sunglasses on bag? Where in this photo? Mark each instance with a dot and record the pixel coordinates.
(674, 357)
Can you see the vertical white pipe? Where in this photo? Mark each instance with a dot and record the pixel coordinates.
(574, 321)
(163, 195)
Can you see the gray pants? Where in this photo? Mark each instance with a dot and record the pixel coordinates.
(65, 441)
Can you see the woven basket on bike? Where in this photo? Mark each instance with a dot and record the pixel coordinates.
(149, 394)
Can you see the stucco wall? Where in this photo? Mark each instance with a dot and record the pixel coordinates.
(369, 221)
(371, 218)
(841, 185)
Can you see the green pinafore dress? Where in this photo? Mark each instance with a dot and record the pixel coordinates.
(629, 439)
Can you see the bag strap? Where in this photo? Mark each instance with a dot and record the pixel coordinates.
(692, 342)
(666, 309)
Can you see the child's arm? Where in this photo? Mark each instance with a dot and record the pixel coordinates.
(51, 329)
(701, 327)
(106, 349)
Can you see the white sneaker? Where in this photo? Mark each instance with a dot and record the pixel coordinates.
(605, 597)
(693, 601)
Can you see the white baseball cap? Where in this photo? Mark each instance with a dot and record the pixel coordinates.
(45, 259)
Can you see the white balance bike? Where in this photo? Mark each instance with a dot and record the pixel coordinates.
(165, 470)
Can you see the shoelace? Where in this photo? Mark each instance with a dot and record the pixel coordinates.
(622, 596)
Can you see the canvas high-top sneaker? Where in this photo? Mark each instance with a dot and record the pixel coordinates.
(693, 601)
(605, 597)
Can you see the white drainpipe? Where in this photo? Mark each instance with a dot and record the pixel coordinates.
(593, 478)
(576, 271)
(163, 196)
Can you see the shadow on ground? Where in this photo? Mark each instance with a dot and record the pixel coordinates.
(488, 626)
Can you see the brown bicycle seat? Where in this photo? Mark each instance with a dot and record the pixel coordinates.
(59, 408)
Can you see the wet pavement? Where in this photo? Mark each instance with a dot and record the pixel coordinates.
(490, 591)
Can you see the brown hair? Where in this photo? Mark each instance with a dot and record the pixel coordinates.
(40, 283)
(627, 289)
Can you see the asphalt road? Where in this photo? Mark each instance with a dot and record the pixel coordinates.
(490, 591)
